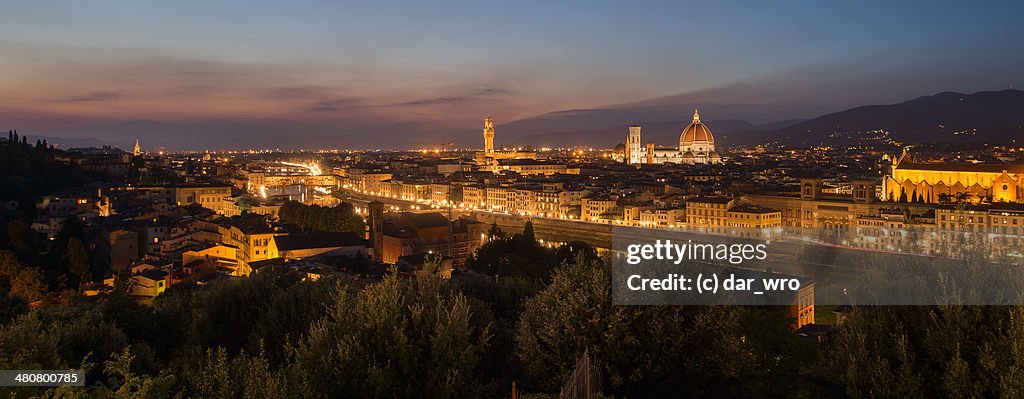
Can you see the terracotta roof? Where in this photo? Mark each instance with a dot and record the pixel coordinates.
(813, 330)
(415, 259)
(963, 167)
(696, 132)
(429, 219)
(711, 200)
(293, 242)
(153, 274)
(752, 209)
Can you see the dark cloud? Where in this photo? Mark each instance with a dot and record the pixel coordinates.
(165, 76)
(89, 97)
(298, 92)
(336, 104)
(464, 95)
(492, 91)
(434, 101)
(200, 72)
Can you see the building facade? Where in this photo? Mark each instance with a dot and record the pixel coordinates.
(911, 181)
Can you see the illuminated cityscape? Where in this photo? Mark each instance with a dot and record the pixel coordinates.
(522, 200)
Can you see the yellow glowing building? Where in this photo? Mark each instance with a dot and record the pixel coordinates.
(753, 217)
(927, 182)
(708, 212)
(489, 157)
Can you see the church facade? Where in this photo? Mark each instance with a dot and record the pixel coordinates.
(911, 181)
(696, 146)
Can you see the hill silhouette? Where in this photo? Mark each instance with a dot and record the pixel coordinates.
(984, 117)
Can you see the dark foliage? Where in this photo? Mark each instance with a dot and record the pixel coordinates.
(340, 218)
(27, 172)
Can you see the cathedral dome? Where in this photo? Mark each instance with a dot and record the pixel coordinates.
(696, 132)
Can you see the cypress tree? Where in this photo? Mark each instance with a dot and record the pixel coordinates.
(528, 231)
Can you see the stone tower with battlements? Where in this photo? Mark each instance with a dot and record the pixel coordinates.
(488, 136)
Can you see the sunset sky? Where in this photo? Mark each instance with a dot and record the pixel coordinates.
(247, 74)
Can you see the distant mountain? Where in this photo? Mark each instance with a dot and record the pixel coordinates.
(729, 131)
(578, 120)
(762, 103)
(987, 116)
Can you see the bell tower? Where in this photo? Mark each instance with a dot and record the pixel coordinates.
(864, 191)
(634, 151)
(488, 136)
(810, 188)
(376, 225)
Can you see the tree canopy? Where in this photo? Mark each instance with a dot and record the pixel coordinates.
(340, 218)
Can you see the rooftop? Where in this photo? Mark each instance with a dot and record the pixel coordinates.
(711, 200)
(318, 240)
(752, 209)
(429, 219)
(963, 167)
